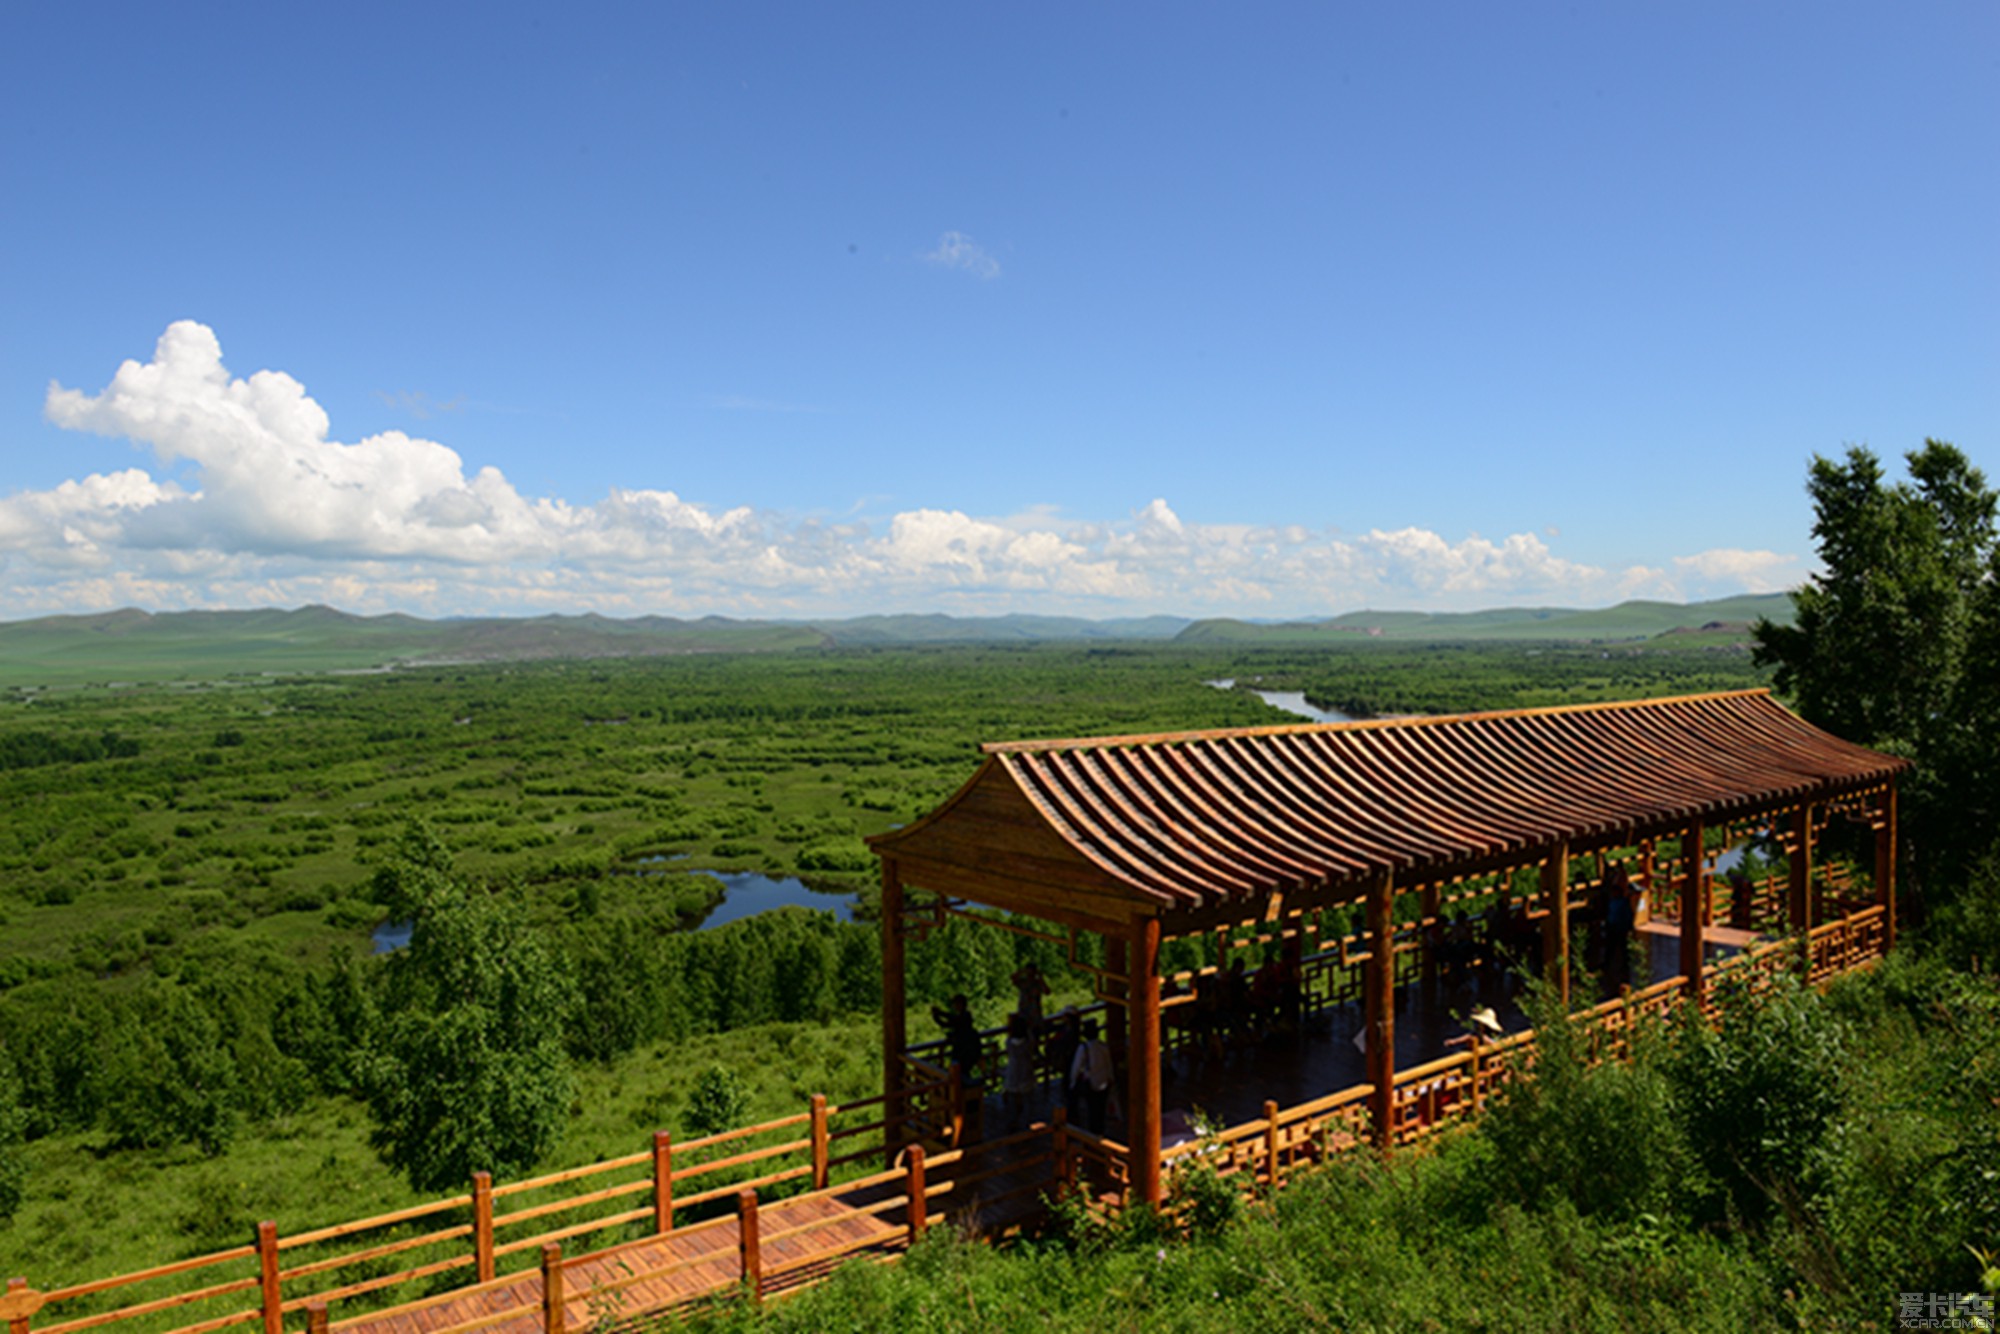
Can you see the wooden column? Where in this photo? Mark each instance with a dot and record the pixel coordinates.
(1381, 992)
(895, 1020)
(1646, 872)
(749, 1244)
(1555, 927)
(1694, 861)
(1433, 932)
(1118, 987)
(555, 1316)
(482, 1225)
(663, 1183)
(1798, 896)
(267, 1278)
(1142, 1094)
(1885, 868)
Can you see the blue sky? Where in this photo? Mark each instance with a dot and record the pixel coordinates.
(770, 310)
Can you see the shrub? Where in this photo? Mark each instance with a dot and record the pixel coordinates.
(719, 1101)
(1600, 1138)
(1754, 1095)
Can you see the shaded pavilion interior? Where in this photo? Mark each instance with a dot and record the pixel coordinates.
(1261, 836)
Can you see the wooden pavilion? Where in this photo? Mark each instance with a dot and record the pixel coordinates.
(1140, 840)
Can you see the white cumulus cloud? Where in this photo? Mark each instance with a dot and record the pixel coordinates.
(255, 502)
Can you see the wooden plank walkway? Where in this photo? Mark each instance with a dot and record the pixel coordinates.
(830, 1229)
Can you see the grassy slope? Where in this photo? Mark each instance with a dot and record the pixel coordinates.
(1628, 620)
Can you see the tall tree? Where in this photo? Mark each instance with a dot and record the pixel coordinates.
(470, 1072)
(1893, 643)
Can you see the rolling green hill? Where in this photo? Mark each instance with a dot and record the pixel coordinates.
(1626, 621)
(131, 645)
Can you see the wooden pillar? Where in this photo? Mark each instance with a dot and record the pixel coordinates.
(1798, 888)
(1433, 933)
(749, 1244)
(19, 1305)
(663, 1182)
(482, 1225)
(817, 1112)
(895, 1020)
(1381, 992)
(1885, 868)
(1651, 897)
(1694, 862)
(1118, 986)
(555, 1317)
(916, 1193)
(267, 1278)
(1555, 927)
(1142, 1093)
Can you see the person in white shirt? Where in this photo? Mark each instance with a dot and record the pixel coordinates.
(1090, 1075)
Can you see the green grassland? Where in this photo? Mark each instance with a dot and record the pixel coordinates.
(254, 808)
(212, 845)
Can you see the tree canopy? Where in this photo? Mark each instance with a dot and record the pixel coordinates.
(1896, 641)
(470, 1073)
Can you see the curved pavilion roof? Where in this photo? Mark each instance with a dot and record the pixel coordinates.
(1124, 827)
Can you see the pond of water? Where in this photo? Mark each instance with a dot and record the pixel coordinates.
(746, 893)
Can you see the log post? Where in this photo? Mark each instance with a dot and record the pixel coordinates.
(895, 1019)
(750, 1246)
(663, 1183)
(1694, 864)
(1272, 1176)
(1555, 926)
(273, 1300)
(554, 1316)
(1142, 1093)
(482, 1225)
(22, 1302)
(316, 1320)
(1651, 896)
(1381, 1029)
(956, 1093)
(914, 1190)
(1065, 1166)
(1798, 886)
(1885, 869)
(1433, 932)
(1118, 983)
(819, 1152)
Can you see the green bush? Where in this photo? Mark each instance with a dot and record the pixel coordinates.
(1600, 1139)
(1754, 1096)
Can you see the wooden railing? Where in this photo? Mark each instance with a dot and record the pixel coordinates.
(1261, 1154)
(491, 1233)
(758, 1248)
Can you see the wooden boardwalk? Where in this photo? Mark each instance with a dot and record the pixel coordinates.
(801, 1240)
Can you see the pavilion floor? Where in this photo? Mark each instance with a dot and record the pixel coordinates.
(1323, 1057)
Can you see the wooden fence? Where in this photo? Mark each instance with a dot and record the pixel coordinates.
(491, 1232)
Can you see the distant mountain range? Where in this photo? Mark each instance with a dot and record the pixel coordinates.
(132, 645)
